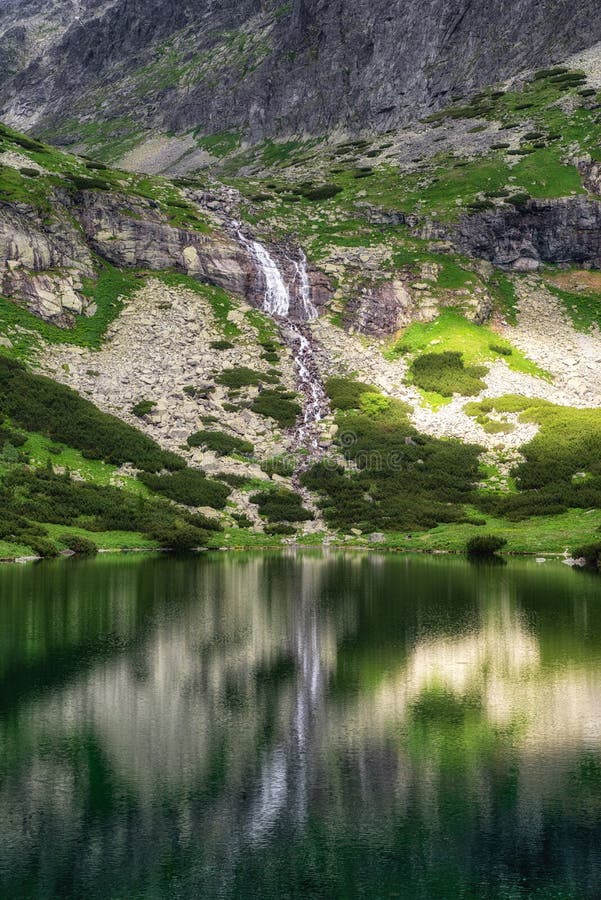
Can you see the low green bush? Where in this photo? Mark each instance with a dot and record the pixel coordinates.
(279, 405)
(568, 79)
(485, 545)
(181, 539)
(400, 479)
(285, 466)
(222, 345)
(189, 486)
(221, 443)
(242, 376)
(281, 506)
(41, 546)
(502, 349)
(520, 200)
(280, 529)
(591, 553)
(30, 496)
(242, 520)
(27, 143)
(345, 393)
(480, 205)
(547, 73)
(79, 545)
(561, 467)
(445, 374)
(321, 192)
(82, 183)
(143, 408)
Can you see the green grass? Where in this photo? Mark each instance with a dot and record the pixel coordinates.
(105, 140)
(561, 467)
(221, 144)
(451, 332)
(104, 540)
(41, 449)
(503, 289)
(264, 326)
(543, 534)
(11, 551)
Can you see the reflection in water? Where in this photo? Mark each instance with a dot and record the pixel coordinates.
(271, 725)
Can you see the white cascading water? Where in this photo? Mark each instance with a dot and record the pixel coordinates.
(277, 296)
(304, 288)
(277, 302)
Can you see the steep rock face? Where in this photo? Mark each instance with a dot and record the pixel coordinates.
(43, 260)
(131, 234)
(267, 68)
(566, 230)
(381, 309)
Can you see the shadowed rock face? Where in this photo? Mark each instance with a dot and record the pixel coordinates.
(567, 230)
(268, 68)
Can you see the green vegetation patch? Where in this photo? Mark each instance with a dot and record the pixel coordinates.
(109, 292)
(562, 463)
(188, 486)
(143, 408)
(30, 497)
(39, 404)
(220, 144)
(277, 404)
(346, 393)
(281, 506)
(485, 545)
(242, 376)
(445, 374)
(399, 479)
(583, 307)
(221, 443)
(451, 332)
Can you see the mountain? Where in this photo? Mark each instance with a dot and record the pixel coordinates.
(299, 334)
(107, 74)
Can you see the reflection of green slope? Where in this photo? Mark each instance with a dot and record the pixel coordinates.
(68, 621)
(454, 730)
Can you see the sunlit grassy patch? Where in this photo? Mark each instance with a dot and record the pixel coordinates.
(452, 332)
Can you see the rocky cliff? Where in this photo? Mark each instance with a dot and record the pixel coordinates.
(264, 68)
(561, 231)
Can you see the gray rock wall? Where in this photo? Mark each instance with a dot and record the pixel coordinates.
(265, 67)
(566, 230)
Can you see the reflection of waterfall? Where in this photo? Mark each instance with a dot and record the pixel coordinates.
(278, 302)
(286, 773)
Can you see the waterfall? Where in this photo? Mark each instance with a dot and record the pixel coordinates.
(277, 295)
(277, 301)
(304, 288)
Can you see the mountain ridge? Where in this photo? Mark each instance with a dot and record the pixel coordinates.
(264, 70)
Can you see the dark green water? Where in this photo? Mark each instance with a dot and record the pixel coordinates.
(264, 726)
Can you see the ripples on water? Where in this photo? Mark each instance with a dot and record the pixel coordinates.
(266, 726)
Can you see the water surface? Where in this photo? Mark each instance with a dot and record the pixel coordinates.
(272, 726)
